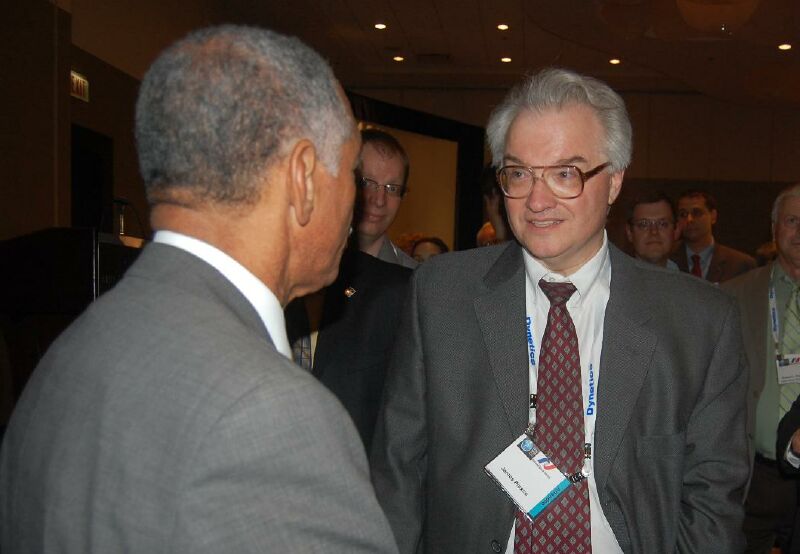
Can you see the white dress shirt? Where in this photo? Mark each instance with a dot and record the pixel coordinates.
(587, 307)
(252, 288)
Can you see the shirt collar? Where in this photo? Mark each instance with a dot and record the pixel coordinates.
(262, 299)
(705, 254)
(594, 273)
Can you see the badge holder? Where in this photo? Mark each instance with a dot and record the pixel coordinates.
(788, 369)
(528, 476)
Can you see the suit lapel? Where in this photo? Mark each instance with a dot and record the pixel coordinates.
(717, 267)
(627, 349)
(501, 315)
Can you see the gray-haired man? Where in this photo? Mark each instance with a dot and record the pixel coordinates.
(629, 390)
(183, 426)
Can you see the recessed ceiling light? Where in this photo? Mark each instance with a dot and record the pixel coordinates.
(503, 27)
(398, 58)
(505, 60)
(380, 26)
(614, 61)
(785, 46)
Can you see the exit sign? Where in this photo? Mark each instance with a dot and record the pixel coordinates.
(78, 86)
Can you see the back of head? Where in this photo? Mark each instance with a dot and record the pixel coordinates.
(217, 108)
(554, 89)
(387, 145)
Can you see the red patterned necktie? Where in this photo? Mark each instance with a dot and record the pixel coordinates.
(565, 525)
(697, 270)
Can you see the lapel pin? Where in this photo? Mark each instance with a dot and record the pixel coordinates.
(349, 292)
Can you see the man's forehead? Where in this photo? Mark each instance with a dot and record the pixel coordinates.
(691, 201)
(659, 206)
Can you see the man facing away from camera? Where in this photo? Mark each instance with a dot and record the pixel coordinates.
(183, 426)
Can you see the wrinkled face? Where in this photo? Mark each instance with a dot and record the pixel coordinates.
(695, 219)
(562, 234)
(378, 208)
(786, 231)
(425, 250)
(652, 232)
(333, 212)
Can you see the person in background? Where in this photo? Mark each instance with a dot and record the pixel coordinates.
(169, 416)
(651, 228)
(427, 247)
(699, 254)
(769, 302)
(383, 179)
(495, 229)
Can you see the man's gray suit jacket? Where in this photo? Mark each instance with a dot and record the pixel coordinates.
(164, 420)
(670, 449)
(752, 292)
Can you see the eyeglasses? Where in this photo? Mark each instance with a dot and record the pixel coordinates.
(392, 189)
(564, 181)
(657, 224)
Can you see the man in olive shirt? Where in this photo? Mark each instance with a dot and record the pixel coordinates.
(772, 496)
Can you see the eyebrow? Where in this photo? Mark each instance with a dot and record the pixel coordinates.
(563, 161)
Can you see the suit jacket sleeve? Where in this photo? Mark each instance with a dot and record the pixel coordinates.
(281, 470)
(399, 459)
(788, 425)
(716, 466)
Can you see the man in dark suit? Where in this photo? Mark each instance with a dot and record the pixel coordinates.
(767, 299)
(352, 325)
(627, 387)
(700, 254)
(184, 426)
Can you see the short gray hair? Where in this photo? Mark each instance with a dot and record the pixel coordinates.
(218, 106)
(555, 88)
(792, 191)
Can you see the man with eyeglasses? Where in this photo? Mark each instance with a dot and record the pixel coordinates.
(651, 228)
(699, 254)
(558, 355)
(383, 179)
(769, 301)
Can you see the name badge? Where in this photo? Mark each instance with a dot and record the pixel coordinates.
(527, 476)
(788, 369)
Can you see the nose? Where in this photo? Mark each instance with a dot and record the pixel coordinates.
(540, 198)
(377, 197)
(653, 229)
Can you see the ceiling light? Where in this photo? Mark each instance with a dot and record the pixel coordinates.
(505, 60)
(380, 26)
(614, 61)
(398, 58)
(785, 46)
(503, 27)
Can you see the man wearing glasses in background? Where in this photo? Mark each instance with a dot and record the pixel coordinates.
(629, 391)
(383, 173)
(651, 228)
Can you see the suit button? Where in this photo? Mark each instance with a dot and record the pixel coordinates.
(496, 546)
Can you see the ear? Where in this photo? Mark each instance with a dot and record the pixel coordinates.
(302, 163)
(629, 232)
(616, 186)
(713, 215)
